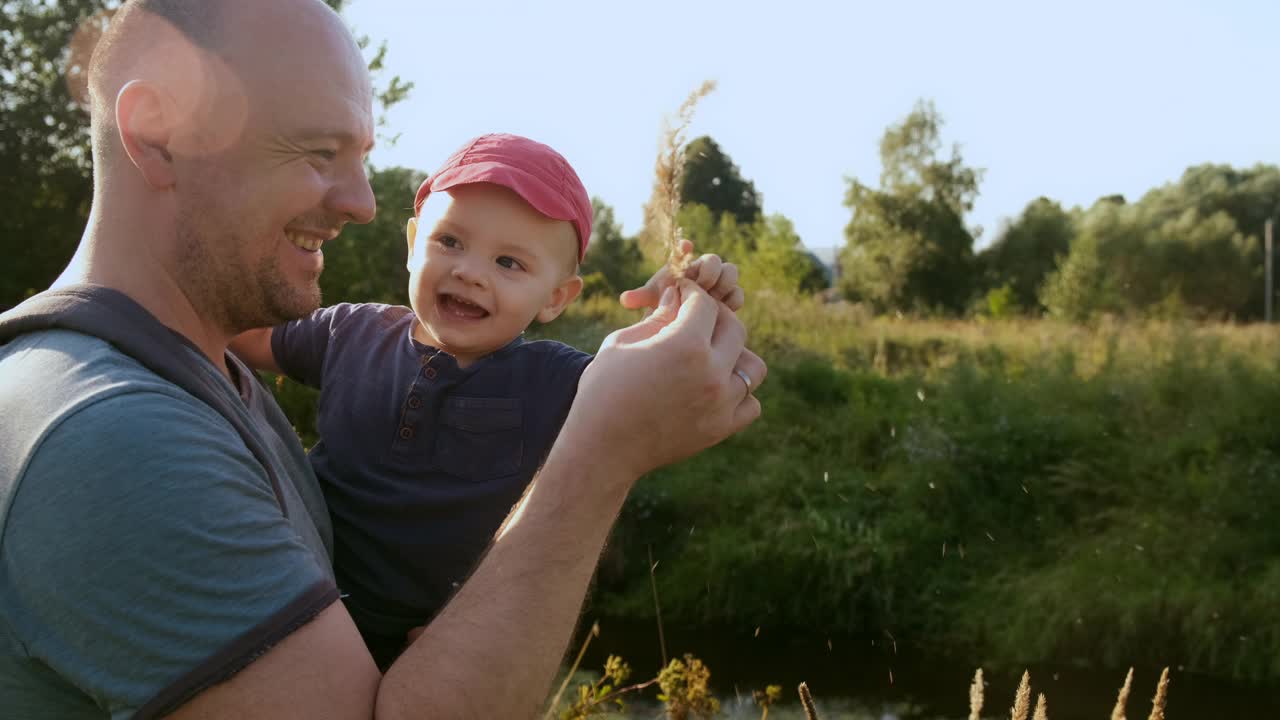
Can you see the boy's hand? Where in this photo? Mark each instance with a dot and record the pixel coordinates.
(666, 387)
(718, 278)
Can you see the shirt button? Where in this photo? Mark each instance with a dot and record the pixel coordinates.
(430, 373)
(414, 402)
(406, 433)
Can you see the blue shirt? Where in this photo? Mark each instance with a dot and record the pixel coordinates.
(144, 553)
(420, 460)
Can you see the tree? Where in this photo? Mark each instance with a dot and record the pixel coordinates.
(712, 182)
(46, 187)
(367, 263)
(1248, 196)
(906, 245)
(1082, 286)
(613, 262)
(712, 179)
(1027, 250)
(1138, 259)
(721, 234)
(779, 261)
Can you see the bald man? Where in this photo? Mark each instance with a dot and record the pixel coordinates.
(160, 556)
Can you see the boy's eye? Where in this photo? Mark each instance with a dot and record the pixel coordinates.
(507, 261)
(449, 241)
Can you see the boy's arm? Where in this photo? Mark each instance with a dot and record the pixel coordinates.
(710, 272)
(254, 348)
(658, 392)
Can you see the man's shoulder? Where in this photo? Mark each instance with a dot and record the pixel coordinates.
(84, 389)
(119, 486)
(53, 372)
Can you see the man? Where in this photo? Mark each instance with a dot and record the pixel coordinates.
(150, 563)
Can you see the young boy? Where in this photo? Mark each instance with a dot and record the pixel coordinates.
(433, 420)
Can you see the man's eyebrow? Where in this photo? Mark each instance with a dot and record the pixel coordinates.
(342, 136)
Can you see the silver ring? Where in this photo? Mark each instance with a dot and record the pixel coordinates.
(745, 377)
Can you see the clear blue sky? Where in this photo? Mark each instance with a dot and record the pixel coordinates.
(1072, 100)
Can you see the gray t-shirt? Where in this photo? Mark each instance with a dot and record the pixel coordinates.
(144, 554)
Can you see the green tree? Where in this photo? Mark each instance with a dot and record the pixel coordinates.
(907, 246)
(1138, 259)
(1079, 288)
(712, 179)
(779, 261)
(46, 187)
(1248, 196)
(367, 263)
(721, 234)
(1027, 250)
(613, 262)
(717, 204)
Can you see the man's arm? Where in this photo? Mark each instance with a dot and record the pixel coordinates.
(493, 651)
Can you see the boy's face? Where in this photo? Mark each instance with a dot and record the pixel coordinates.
(486, 268)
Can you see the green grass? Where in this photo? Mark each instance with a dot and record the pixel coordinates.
(1023, 491)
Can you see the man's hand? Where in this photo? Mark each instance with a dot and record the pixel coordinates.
(710, 272)
(668, 386)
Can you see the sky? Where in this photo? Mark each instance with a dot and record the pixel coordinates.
(1069, 100)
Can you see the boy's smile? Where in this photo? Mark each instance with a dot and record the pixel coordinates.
(460, 307)
(485, 268)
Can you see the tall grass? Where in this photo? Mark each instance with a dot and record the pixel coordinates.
(1111, 488)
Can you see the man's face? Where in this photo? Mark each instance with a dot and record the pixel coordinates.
(275, 181)
(486, 269)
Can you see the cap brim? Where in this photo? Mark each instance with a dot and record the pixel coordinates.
(544, 198)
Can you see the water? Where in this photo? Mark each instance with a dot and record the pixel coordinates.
(871, 679)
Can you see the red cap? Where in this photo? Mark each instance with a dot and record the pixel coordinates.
(534, 171)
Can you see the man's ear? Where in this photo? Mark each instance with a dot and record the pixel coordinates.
(563, 294)
(144, 116)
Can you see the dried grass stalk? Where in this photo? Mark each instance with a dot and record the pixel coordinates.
(669, 170)
(975, 696)
(1162, 694)
(1042, 709)
(1022, 700)
(806, 701)
(1122, 699)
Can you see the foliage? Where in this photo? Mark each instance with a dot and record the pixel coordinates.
(907, 246)
(684, 691)
(46, 188)
(1110, 487)
(1026, 251)
(613, 263)
(367, 263)
(712, 179)
(1145, 259)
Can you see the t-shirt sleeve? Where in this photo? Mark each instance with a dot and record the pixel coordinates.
(565, 369)
(300, 346)
(145, 556)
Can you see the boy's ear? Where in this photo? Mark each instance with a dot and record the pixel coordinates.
(410, 235)
(563, 294)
